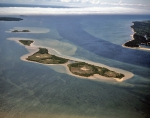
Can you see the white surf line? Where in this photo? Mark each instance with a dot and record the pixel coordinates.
(34, 48)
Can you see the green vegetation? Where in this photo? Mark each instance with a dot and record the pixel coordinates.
(86, 70)
(142, 35)
(77, 68)
(20, 31)
(82, 69)
(26, 42)
(42, 51)
(9, 19)
(42, 56)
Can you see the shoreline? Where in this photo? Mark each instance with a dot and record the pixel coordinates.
(98, 77)
(138, 48)
(33, 48)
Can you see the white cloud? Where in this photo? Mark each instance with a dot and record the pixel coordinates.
(120, 1)
(84, 2)
(57, 11)
(137, 5)
(80, 1)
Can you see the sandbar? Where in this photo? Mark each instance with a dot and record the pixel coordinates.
(28, 30)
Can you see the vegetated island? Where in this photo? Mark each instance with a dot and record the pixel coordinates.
(20, 31)
(42, 56)
(87, 70)
(75, 67)
(26, 42)
(9, 19)
(141, 35)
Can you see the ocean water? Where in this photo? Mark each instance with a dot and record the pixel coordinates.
(29, 90)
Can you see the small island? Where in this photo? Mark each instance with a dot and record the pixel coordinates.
(20, 31)
(73, 66)
(42, 56)
(9, 19)
(86, 70)
(77, 68)
(141, 35)
(26, 42)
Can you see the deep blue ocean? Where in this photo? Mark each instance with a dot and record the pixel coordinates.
(29, 90)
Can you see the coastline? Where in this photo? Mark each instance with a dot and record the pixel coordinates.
(33, 48)
(98, 77)
(138, 48)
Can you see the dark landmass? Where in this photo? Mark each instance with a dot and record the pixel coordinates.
(86, 70)
(26, 42)
(9, 19)
(141, 36)
(42, 56)
(20, 31)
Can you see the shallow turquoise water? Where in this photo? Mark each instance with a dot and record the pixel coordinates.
(33, 90)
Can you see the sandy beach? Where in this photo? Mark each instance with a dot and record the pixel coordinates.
(138, 48)
(98, 77)
(34, 48)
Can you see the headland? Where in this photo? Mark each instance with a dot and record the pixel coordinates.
(141, 36)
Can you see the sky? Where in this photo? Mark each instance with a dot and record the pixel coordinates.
(80, 2)
(81, 7)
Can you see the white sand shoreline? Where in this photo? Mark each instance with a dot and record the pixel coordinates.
(33, 48)
(138, 48)
(98, 77)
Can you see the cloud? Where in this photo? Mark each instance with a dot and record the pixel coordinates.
(80, 1)
(104, 2)
(86, 3)
(58, 11)
(120, 1)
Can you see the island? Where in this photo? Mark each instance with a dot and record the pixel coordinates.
(26, 42)
(9, 19)
(141, 35)
(42, 56)
(86, 70)
(20, 31)
(75, 67)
